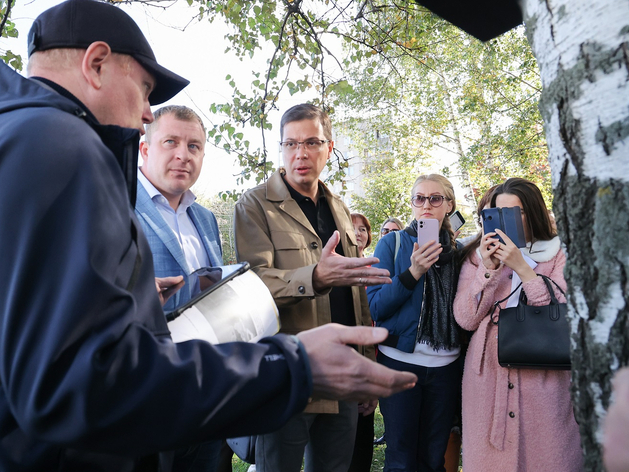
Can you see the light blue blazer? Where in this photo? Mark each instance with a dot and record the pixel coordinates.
(168, 257)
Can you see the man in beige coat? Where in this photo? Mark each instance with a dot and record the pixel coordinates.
(299, 239)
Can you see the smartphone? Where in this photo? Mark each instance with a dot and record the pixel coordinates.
(208, 276)
(506, 219)
(427, 230)
(456, 220)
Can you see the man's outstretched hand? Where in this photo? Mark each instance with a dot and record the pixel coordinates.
(334, 270)
(341, 373)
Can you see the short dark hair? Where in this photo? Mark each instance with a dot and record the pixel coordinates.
(537, 218)
(180, 112)
(306, 111)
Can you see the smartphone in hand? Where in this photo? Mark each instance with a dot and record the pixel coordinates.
(456, 220)
(506, 219)
(427, 230)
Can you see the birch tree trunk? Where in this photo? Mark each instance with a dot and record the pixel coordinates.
(582, 47)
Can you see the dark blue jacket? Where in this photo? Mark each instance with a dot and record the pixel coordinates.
(395, 306)
(89, 377)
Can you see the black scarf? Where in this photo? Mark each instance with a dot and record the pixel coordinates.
(437, 327)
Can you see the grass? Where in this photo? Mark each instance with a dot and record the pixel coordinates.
(377, 463)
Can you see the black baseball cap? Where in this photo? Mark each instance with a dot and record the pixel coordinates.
(79, 23)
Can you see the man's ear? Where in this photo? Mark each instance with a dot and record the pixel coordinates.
(144, 151)
(96, 56)
(330, 148)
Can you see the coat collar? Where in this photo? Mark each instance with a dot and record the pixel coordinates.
(277, 191)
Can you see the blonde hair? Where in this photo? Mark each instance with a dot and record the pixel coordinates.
(179, 112)
(54, 59)
(60, 59)
(448, 192)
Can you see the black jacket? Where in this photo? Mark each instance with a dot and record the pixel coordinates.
(89, 377)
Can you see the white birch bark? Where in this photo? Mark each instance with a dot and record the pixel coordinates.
(582, 47)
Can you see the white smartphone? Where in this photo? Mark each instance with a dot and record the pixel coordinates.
(427, 230)
(456, 220)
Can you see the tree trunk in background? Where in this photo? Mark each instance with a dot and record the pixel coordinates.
(582, 48)
(466, 183)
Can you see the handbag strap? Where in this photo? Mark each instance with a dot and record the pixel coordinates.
(497, 305)
(547, 280)
(397, 246)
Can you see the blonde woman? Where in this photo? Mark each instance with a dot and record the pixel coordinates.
(416, 308)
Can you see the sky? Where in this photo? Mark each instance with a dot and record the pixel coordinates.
(194, 50)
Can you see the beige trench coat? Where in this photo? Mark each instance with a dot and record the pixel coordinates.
(276, 238)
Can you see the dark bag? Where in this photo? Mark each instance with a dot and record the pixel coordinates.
(244, 447)
(533, 337)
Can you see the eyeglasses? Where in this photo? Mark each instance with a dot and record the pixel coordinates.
(435, 201)
(310, 144)
(387, 231)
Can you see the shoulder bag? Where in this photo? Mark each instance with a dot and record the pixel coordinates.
(533, 337)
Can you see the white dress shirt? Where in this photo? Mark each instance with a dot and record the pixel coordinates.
(181, 224)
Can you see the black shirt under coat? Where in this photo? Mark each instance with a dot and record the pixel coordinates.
(322, 221)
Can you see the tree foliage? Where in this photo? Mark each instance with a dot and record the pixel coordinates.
(466, 102)
(387, 192)
(224, 212)
(302, 43)
(392, 66)
(8, 30)
(401, 70)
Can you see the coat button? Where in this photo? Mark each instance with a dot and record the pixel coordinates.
(301, 289)
(510, 385)
(487, 275)
(314, 245)
(511, 414)
(511, 276)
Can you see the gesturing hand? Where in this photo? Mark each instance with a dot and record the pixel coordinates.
(341, 373)
(334, 270)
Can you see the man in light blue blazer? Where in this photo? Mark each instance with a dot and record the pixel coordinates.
(182, 234)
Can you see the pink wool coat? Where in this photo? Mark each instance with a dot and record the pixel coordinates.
(514, 420)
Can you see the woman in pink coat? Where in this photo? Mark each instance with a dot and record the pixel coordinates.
(513, 419)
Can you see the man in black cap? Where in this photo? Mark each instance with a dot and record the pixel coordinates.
(90, 379)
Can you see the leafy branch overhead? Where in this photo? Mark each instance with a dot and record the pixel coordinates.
(390, 68)
(303, 42)
(8, 30)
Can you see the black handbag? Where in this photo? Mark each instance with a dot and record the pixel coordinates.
(533, 337)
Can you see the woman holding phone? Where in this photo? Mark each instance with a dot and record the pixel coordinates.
(513, 419)
(416, 308)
